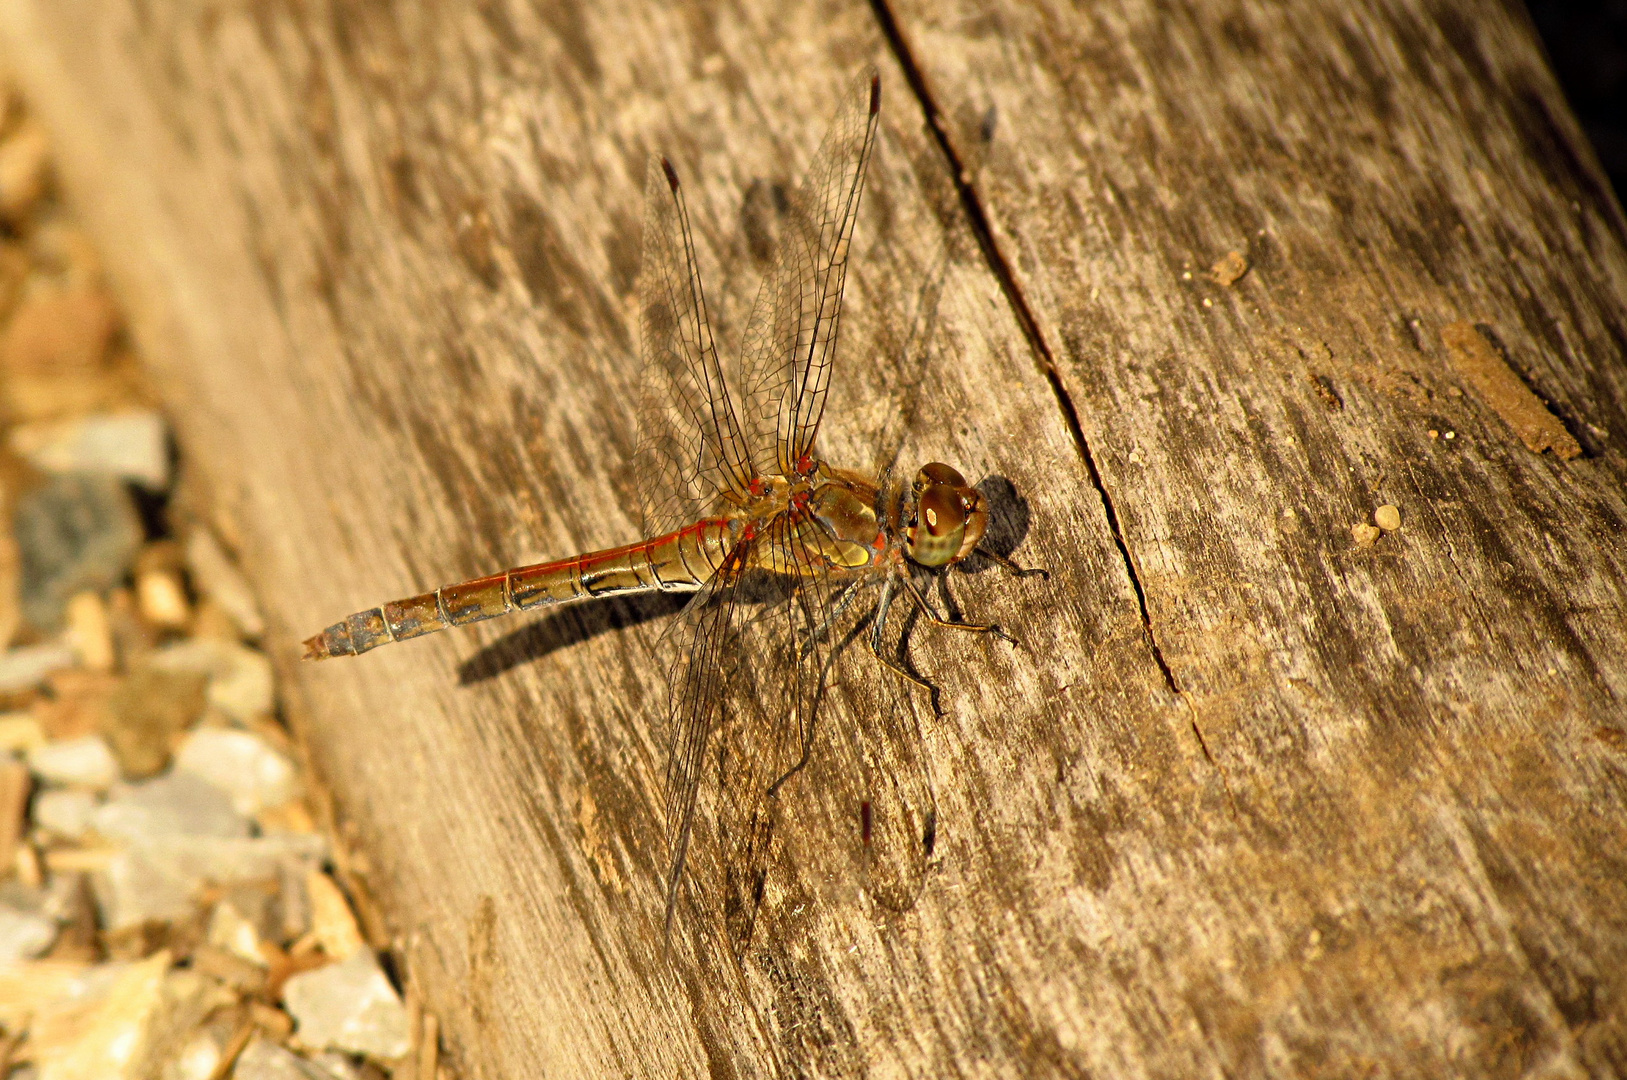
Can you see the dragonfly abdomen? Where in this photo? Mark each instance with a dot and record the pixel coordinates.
(679, 561)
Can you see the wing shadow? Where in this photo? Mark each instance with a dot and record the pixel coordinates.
(562, 629)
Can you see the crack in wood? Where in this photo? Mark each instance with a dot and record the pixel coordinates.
(979, 222)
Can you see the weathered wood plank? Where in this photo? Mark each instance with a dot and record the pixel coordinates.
(1359, 810)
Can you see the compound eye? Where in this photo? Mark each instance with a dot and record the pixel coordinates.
(942, 511)
(938, 473)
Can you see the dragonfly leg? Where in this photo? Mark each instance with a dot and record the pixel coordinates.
(876, 634)
(958, 624)
(1011, 566)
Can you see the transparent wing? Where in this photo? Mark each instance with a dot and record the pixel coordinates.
(791, 336)
(752, 660)
(691, 445)
(789, 654)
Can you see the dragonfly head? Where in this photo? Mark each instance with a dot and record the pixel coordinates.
(943, 517)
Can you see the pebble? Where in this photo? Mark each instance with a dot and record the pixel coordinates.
(1364, 534)
(25, 161)
(254, 775)
(74, 532)
(235, 932)
(218, 578)
(128, 1028)
(176, 804)
(19, 733)
(1387, 517)
(161, 879)
(129, 445)
(161, 599)
(28, 666)
(349, 1007)
(263, 1059)
(90, 631)
(147, 712)
(64, 813)
(85, 762)
(239, 677)
(198, 1059)
(24, 935)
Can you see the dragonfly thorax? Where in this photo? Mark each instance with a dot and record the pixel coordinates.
(942, 518)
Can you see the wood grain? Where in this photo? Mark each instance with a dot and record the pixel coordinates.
(1249, 799)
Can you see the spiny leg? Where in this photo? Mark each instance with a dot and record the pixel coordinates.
(1011, 566)
(958, 624)
(876, 634)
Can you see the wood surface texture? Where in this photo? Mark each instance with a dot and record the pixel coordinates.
(1250, 799)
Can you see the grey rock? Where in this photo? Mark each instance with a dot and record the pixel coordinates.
(76, 531)
(241, 764)
(263, 1059)
(349, 1006)
(175, 804)
(160, 879)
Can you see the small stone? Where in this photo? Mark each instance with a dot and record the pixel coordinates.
(85, 762)
(138, 1019)
(218, 578)
(241, 764)
(24, 935)
(263, 1059)
(15, 784)
(1364, 534)
(161, 879)
(129, 445)
(65, 813)
(198, 1059)
(1231, 266)
(76, 531)
(243, 976)
(177, 804)
(29, 665)
(147, 712)
(349, 1006)
(331, 919)
(1433, 434)
(1450, 435)
(19, 733)
(239, 677)
(161, 598)
(1387, 517)
(25, 161)
(90, 632)
(236, 933)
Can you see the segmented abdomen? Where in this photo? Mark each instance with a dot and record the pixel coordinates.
(680, 561)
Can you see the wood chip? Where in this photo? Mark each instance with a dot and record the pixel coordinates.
(14, 789)
(331, 918)
(1231, 266)
(1498, 386)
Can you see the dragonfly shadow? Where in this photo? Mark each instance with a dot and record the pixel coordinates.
(1009, 518)
(562, 629)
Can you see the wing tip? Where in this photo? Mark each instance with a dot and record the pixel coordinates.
(672, 174)
(875, 93)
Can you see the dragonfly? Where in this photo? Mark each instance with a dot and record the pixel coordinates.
(740, 511)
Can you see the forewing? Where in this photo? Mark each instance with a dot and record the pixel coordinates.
(791, 336)
(691, 445)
